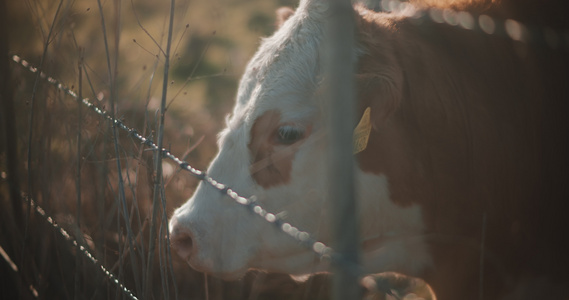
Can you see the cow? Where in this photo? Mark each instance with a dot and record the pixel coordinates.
(463, 181)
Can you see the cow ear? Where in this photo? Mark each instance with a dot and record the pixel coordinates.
(381, 92)
(379, 77)
(283, 13)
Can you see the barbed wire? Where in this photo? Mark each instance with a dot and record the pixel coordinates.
(512, 29)
(83, 250)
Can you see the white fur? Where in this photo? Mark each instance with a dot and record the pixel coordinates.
(284, 75)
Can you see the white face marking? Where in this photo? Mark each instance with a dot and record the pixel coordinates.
(283, 79)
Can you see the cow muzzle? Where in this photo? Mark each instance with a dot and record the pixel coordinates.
(187, 241)
(181, 239)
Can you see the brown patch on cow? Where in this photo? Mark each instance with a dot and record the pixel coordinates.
(380, 86)
(379, 76)
(478, 139)
(272, 162)
(390, 153)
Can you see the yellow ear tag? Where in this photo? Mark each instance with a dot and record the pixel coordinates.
(362, 131)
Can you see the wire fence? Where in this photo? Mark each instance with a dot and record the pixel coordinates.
(110, 276)
(511, 29)
(304, 238)
(248, 202)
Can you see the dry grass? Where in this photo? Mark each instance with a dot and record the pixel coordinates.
(98, 184)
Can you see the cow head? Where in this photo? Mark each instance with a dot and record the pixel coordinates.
(273, 148)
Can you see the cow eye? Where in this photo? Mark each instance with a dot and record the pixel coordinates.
(289, 135)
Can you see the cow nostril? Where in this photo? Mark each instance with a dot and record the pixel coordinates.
(185, 242)
(182, 242)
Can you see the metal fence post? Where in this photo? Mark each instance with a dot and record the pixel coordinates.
(339, 73)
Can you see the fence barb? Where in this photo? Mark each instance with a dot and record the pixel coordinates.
(81, 248)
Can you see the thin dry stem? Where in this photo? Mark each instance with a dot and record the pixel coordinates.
(158, 158)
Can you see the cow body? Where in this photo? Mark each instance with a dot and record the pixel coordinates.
(463, 183)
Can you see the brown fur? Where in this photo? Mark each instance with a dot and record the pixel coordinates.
(272, 162)
(470, 125)
(466, 125)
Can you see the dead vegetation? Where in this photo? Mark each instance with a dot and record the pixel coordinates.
(98, 183)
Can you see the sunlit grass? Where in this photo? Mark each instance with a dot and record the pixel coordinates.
(211, 43)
